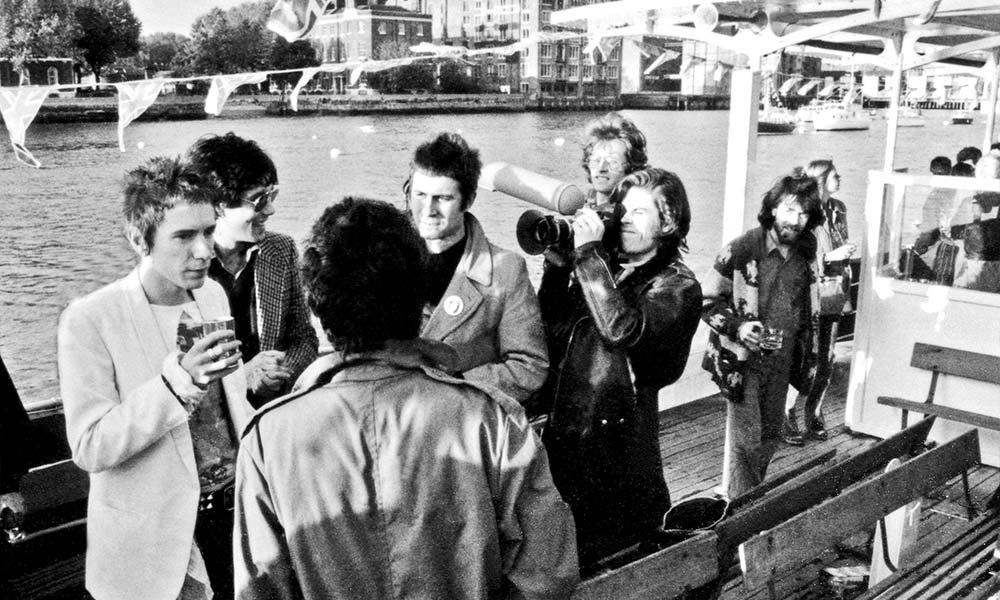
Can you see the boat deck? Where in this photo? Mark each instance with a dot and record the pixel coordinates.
(691, 442)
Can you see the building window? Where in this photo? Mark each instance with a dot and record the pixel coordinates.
(574, 71)
(381, 28)
(560, 72)
(545, 50)
(523, 68)
(490, 70)
(546, 70)
(616, 53)
(588, 71)
(525, 34)
(420, 29)
(402, 29)
(526, 16)
(574, 52)
(53, 75)
(526, 52)
(600, 71)
(546, 16)
(502, 69)
(612, 72)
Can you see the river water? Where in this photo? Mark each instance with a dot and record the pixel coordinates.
(60, 234)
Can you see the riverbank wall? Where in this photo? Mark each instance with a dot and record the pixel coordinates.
(168, 108)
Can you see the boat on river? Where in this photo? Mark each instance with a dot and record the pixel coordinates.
(841, 118)
(776, 121)
(915, 338)
(962, 117)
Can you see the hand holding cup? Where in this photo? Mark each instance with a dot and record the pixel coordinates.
(215, 355)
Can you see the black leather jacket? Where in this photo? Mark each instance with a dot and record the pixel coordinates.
(612, 347)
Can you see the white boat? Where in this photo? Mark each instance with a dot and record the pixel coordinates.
(841, 118)
(910, 116)
(806, 113)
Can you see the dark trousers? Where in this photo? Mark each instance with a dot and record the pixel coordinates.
(813, 397)
(213, 533)
(753, 425)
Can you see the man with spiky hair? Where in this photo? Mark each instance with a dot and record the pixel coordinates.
(614, 148)
(257, 268)
(383, 477)
(153, 408)
(479, 298)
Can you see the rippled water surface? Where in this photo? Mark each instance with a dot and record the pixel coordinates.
(60, 234)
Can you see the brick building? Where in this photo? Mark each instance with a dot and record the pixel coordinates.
(354, 29)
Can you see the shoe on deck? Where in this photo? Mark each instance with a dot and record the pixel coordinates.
(816, 428)
(790, 431)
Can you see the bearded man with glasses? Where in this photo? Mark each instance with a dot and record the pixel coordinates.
(257, 268)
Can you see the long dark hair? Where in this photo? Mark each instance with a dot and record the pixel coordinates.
(806, 193)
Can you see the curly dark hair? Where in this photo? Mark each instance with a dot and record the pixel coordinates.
(448, 155)
(806, 192)
(671, 202)
(233, 164)
(155, 187)
(613, 126)
(363, 272)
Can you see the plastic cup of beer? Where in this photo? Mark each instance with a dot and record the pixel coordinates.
(218, 324)
(771, 339)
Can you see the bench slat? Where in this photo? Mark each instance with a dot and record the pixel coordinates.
(666, 574)
(949, 361)
(785, 503)
(796, 541)
(945, 412)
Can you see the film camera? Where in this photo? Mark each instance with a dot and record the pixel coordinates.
(537, 231)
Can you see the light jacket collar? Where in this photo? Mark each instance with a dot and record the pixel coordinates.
(417, 353)
(477, 260)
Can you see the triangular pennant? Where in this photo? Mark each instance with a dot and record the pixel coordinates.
(293, 19)
(224, 85)
(133, 99)
(597, 42)
(307, 75)
(662, 58)
(18, 106)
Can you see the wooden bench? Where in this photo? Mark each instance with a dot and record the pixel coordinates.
(795, 542)
(949, 361)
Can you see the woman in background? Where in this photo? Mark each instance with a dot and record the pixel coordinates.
(834, 249)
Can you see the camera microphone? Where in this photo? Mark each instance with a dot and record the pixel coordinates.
(540, 190)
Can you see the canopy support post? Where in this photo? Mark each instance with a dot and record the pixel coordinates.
(896, 83)
(742, 149)
(991, 103)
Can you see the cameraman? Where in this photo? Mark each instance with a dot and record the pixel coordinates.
(617, 334)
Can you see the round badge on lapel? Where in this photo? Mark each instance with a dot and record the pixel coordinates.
(453, 305)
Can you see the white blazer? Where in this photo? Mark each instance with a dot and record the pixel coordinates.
(131, 434)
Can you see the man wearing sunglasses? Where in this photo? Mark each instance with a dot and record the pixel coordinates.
(257, 268)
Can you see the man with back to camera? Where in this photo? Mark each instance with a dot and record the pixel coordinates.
(154, 422)
(767, 276)
(382, 476)
(617, 334)
(614, 148)
(257, 268)
(479, 298)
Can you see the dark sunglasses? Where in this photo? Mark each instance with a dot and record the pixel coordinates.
(262, 198)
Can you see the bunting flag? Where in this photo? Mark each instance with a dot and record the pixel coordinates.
(599, 41)
(293, 19)
(133, 100)
(18, 106)
(224, 85)
(664, 57)
(307, 75)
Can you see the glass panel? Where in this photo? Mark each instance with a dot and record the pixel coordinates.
(937, 233)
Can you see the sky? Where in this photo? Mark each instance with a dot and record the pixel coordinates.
(174, 15)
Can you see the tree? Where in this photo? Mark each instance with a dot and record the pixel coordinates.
(407, 78)
(294, 55)
(232, 41)
(26, 31)
(453, 80)
(162, 51)
(106, 30)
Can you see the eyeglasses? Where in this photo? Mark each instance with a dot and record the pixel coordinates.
(613, 163)
(261, 199)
